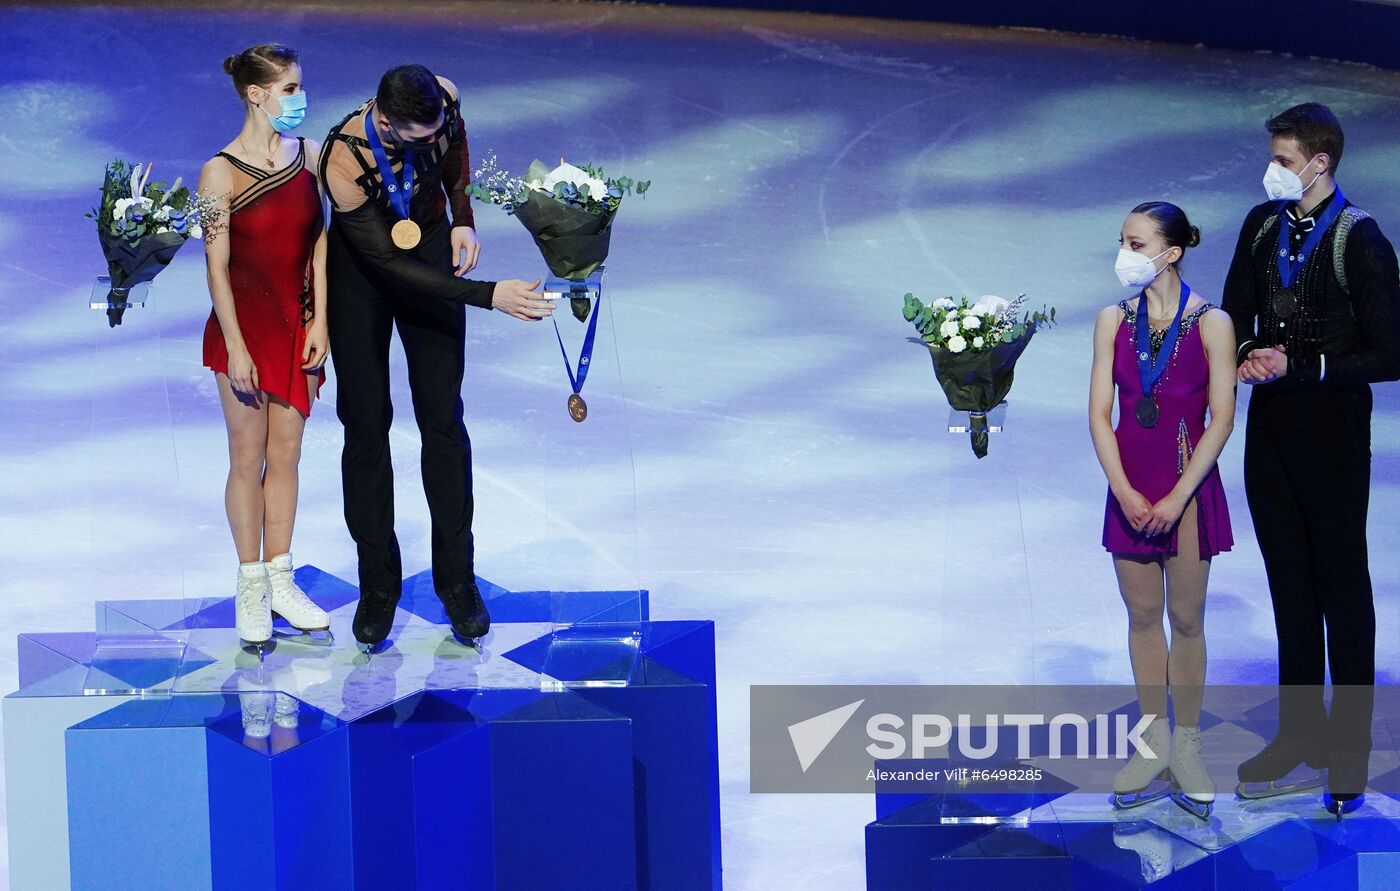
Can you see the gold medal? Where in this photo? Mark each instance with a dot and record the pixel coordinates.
(406, 234)
(578, 409)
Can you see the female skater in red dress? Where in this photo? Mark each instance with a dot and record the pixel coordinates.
(266, 337)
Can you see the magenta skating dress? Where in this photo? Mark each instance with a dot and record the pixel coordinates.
(1155, 457)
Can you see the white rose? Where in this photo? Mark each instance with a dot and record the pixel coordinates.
(196, 232)
(972, 323)
(949, 328)
(990, 304)
(944, 303)
(564, 173)
(119, 209)
(956, 344)
(977, 343)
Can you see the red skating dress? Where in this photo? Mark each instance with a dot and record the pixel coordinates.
(274, 221)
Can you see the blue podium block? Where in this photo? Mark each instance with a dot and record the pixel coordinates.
(493, 789)
(1108, 855)
(667, 690)
(227, 800)
(900, 845)
(578, 752)
(1288, 855)
(279, 805)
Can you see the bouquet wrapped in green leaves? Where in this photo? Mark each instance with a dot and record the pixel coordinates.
(567, 210)
(975, 345)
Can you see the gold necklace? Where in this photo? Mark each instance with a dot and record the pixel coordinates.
(270, 165)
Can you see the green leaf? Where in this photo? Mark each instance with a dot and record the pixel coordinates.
(912, 307)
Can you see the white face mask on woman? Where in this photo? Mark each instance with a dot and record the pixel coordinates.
(1283, 184)
(1137, 270)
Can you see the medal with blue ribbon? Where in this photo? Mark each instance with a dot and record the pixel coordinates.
(578, 409)
(1285, 300)
(405, 233)
(1150, 370)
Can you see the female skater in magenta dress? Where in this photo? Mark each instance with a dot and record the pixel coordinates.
(1166, 515)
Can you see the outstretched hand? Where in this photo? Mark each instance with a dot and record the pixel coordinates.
(519, 298)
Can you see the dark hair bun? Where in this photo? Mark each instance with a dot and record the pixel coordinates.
(259, 65)
(1171, 222)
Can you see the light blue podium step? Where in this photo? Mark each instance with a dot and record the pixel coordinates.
(229, 796)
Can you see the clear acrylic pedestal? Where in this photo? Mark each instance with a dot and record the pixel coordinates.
(986, 597)
(591, 493)
(132, 656)
(104, 296)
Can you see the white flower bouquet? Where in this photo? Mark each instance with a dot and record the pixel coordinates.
(141, 224)
(568, 210)
(975, 345)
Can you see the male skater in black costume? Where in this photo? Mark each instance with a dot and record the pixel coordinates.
(393, 168)
(1315, 296)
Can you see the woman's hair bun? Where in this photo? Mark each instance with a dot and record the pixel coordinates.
(1171, 222)
(259, 65)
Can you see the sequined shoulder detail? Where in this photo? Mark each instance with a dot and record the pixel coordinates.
(1188, 321)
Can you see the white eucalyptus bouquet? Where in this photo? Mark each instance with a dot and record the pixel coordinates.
(975, 345)
(568, 210)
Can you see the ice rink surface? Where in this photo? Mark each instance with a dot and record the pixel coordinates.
(765, 448)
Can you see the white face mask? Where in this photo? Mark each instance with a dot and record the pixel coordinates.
(1283, 184)
(1137, 270)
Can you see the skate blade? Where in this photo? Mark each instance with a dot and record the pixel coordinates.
(1126, 801)
(259, 648)
(1340, 809)
(472, 643)
(1201, 810)
(372, 649)
(1275, 788)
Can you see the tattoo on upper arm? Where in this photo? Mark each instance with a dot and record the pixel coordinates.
(213, 215)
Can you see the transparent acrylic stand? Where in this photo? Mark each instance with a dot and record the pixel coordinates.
(135, 653)
(104, 296)
(962, 421)
(591, 496)
(986, 610)
(592, 655)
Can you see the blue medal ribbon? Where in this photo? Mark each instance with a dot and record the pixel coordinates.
(1149, 370)
(400, 190)
(585, 354)
(1290, 265)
